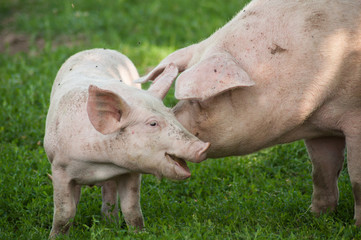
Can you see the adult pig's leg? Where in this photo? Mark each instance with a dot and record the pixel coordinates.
(327, 155)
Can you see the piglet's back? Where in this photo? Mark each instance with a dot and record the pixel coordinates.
(90, 64)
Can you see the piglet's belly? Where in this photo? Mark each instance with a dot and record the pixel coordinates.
(90, 173)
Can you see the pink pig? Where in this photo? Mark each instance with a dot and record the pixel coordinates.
(100, 130)
(279, 71)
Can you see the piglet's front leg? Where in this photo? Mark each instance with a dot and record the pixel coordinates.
(129, 195)
(128, 188)
(110, 200)
(353, 142)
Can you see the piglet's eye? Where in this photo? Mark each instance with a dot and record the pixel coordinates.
(153, 123)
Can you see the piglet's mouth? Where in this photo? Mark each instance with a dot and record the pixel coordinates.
(178, 162)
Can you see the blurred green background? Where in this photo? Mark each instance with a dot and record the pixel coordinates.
(265, 195)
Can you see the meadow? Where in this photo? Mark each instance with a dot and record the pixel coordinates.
(265, 195)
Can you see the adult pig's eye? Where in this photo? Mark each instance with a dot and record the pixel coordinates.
(153, 123)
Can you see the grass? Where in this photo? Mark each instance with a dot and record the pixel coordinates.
(265, 195)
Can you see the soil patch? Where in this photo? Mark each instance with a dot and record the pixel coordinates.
(15, 42)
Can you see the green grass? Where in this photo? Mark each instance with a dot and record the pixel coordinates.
(265, 195)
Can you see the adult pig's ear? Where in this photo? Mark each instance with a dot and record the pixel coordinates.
(105, 110)
(210, 77)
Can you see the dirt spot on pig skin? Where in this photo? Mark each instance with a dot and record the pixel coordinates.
(249, 13)
(277, 49)
(316, 20)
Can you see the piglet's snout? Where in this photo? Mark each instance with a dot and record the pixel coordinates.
(200, 149)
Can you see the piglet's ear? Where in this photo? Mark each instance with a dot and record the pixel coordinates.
(179, 59)
(163, 82)
(105, 110)
(210, 77)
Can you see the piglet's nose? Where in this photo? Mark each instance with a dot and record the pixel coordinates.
(202, 153)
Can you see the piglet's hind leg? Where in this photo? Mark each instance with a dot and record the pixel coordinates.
(66, 197)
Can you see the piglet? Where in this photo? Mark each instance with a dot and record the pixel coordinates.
(100, 130)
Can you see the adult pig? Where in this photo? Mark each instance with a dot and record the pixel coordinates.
(279, 71)
(100, 130)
